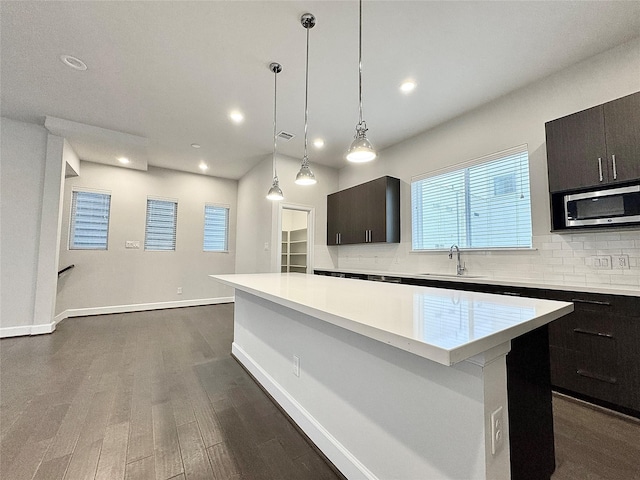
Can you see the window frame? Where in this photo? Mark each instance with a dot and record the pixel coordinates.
(75, 191)
(461, 168)
(175, 224)
(227, 208)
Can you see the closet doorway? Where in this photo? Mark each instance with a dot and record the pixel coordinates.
(296, 239)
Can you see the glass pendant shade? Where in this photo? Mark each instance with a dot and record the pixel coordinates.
(305, 176)
(275, 193)
(361, 150)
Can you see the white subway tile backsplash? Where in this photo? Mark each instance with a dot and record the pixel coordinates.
(625, 280)
(562, 253)
(575, 279)
(561, 259)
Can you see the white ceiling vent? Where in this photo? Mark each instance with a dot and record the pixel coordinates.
(286, 136)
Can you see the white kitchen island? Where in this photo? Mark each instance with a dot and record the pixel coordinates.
(393, 381)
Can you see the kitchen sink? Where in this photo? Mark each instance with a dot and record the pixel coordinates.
(449, 275)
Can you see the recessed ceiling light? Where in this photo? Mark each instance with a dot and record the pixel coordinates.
(318, 143)
(123, 160)
(408, 86)
(203, 166)
(195, 145)
(73, 62)
(236, 116)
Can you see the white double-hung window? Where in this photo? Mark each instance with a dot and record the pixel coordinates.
(160, 229)
(89, 225)
(216, 228)
(482, 204)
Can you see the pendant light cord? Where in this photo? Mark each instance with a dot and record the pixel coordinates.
(360, 59)
(275, 106)
(306, 99)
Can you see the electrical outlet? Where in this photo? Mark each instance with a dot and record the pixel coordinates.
(497, 430)
(296, 366)
(620, 261)
(179, 291)
(600, 262)
(132, 244)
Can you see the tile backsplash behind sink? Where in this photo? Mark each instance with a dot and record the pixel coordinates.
(610, 259)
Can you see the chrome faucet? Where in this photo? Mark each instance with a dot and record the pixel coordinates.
(460, 268)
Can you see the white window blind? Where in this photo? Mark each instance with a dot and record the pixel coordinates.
(89, 226)
(484, 204)
(216, 228)
(160, 230)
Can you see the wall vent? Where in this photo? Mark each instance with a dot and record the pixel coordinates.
(286, 136)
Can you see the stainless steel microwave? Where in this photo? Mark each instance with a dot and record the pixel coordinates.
(614, 206)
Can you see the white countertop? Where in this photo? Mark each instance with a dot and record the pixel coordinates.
(507, 282)
(446, 326)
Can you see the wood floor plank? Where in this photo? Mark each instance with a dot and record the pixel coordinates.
(141, 426)
(168, 459)
(84, 462)
(279, 464)
(194, 454)
(142, 469)
(111, 465)
(203, 411)
(53, 469)
(27, 462)
(223, 462)
(21, 430)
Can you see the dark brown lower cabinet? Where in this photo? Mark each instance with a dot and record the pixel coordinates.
(595, 351)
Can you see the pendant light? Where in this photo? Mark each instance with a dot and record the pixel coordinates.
(275, 193)
(305, 176)
(361, 149)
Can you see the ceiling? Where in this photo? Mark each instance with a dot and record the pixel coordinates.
(164, 75)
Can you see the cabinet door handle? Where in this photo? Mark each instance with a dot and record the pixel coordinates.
(600, 167)
(339, 238)
(615, 170)
(512, 294)
(595, 376)
(591, 332)
(591, 302)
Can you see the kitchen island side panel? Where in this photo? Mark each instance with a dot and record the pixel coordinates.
(376, 411)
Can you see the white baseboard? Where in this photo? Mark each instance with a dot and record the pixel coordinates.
(22, 330)
(83, 312)
(342, 458)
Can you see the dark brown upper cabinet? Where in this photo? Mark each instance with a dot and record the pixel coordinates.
(366, 213)
(597, 146)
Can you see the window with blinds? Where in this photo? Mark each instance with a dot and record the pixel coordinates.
(483, 204)
(160, 230)
(89, 226)
(216, 228)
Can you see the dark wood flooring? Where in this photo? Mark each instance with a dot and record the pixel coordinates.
(156, 395)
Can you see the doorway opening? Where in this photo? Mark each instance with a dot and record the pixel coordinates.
(296, 239)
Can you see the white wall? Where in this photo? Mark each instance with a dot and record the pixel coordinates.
(512, 120)
(23, 149)
(257, 215)
(122, 277)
